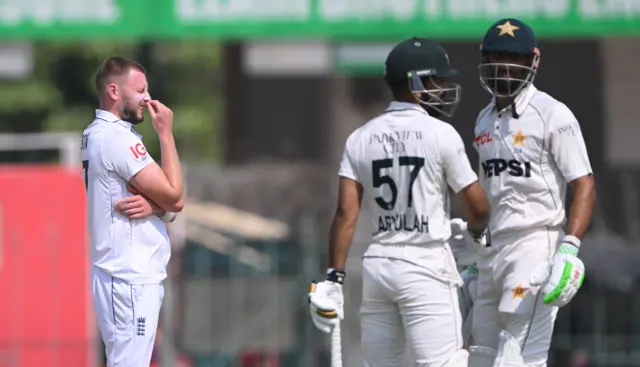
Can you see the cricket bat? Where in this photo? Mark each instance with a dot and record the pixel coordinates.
(336, 347)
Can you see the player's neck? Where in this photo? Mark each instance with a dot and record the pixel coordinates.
(503, 102)
(409, 100)
(111, 109)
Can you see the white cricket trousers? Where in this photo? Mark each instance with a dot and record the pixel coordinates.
(505, 299)
(127, 317)
(410, 299)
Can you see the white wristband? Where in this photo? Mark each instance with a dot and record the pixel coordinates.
(168, 217)
(572, 240)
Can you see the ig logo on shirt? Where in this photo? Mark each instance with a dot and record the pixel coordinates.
(139, 151)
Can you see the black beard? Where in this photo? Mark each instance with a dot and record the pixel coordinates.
(438, 113)
(506, 87)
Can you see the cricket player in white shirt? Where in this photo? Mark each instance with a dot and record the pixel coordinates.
(129, 243)
(530, 147)
(400, 166)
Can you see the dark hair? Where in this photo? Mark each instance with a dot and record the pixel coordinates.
(115, 66)
(399, 90)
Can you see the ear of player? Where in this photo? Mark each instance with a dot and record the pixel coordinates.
(326, 302)
(468, 247)
(562, 277)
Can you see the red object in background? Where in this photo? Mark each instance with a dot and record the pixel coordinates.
(259, 359)
(45, 304)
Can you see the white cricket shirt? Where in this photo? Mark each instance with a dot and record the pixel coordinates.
(525, 163)
(405, 160)
(135, 250)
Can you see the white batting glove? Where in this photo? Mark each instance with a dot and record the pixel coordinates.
(467, 248)
(326, 302)
(562, 277)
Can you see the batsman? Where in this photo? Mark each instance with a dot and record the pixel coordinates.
(531, 148)
(399, 168)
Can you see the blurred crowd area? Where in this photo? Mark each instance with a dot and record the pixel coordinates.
(261, 116)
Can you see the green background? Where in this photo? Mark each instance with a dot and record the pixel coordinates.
(360, 19)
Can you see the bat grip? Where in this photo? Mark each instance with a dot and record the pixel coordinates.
(336, 347)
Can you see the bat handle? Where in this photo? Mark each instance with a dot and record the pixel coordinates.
(336, 347)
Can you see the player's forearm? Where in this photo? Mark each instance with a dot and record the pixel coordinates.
(478, 219)
(342, 230)
(584, 198)
(171, 165)
(476, 207)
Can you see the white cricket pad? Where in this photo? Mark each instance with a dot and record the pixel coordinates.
(467, 324)
(509, 352)
(458, 359)
(481, 356)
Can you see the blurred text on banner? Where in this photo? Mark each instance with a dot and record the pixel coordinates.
(341, 19)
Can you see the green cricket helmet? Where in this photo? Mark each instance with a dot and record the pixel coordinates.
(508, 39)
(424, 66)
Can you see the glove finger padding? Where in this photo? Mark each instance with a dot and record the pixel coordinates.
(325, 311)
(463, 253)
(560, 281)
(541, 274)
(564, 282)
(466, 250)
(458, 226)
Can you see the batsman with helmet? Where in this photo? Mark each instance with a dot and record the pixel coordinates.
(399, 167)
(531, 148)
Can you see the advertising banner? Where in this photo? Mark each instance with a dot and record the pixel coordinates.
(73, 19)
(340, 19)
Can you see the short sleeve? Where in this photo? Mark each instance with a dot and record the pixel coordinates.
(567, 144)
(126, 155)
(457, 168)
(347, 164)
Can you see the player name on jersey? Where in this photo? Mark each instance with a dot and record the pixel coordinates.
(394, 142)
(390, 223)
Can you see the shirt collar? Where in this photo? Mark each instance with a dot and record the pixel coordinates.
(522, 99)
(403, 106)
(107, 116)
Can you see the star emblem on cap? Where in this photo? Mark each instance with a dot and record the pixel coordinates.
(507, 28)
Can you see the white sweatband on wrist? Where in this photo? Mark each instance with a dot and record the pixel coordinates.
(168, 217)
(572, 240)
